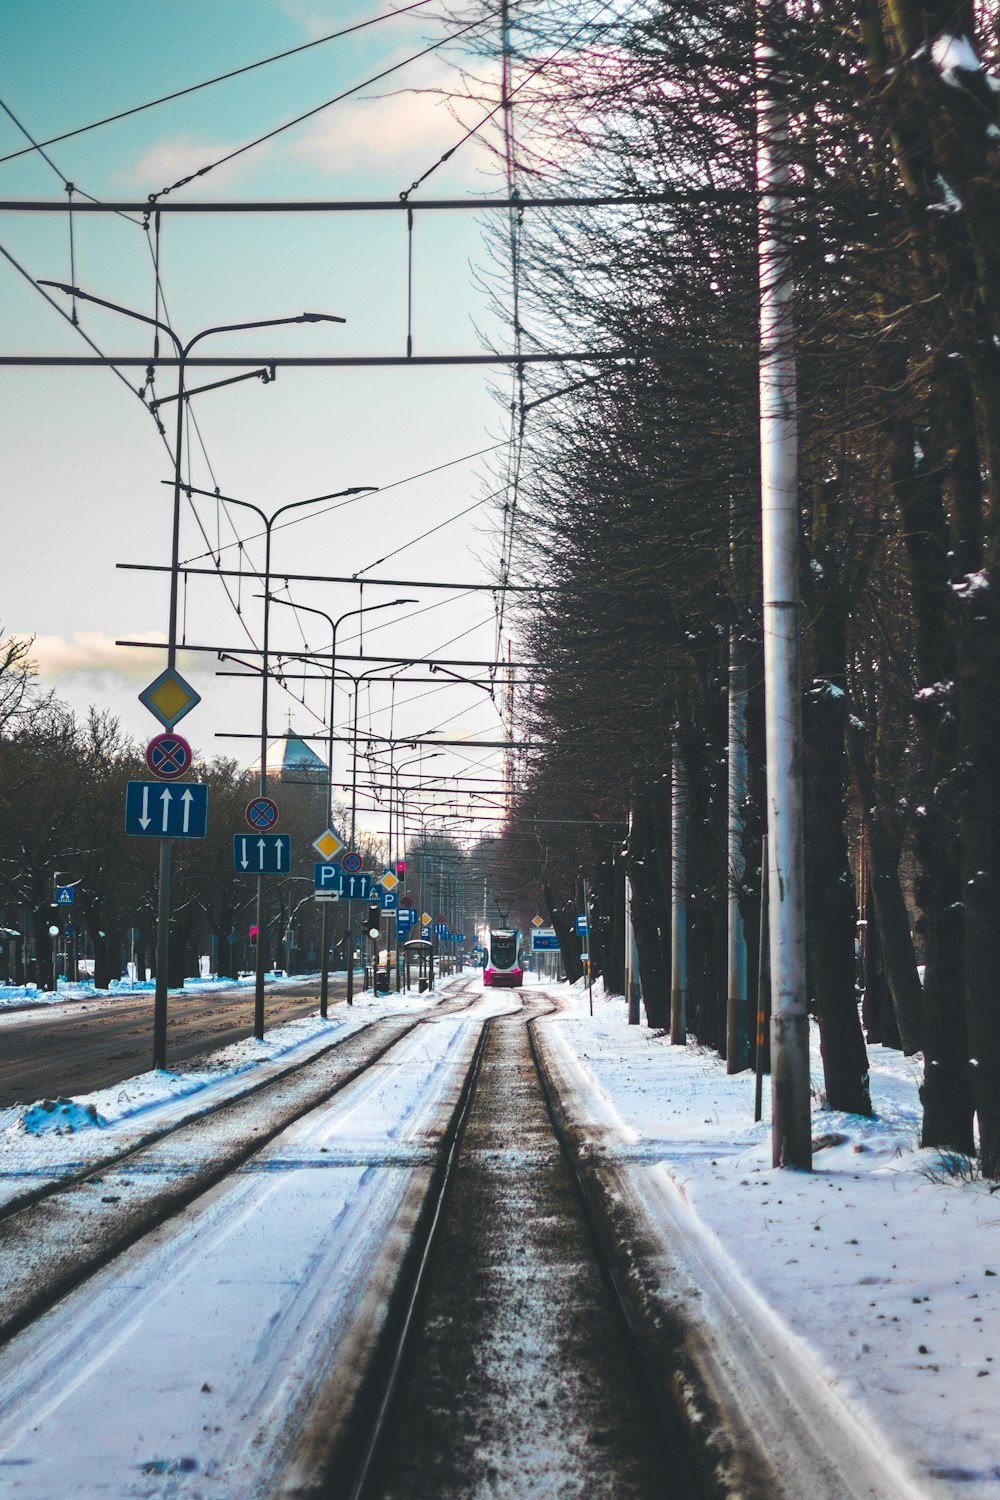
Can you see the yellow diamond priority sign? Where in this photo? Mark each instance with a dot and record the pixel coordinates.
(425, 919)
(536, 921)
(169, 698)
(329, 845)
(387, 880)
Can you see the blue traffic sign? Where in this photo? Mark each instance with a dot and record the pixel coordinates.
(166, 812)
(65, 895)
(386, 899)
(581, 924)
(405, 918)
(543, 940)
(336, 880)
(262, 853)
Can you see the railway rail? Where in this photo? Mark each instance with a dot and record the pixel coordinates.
(515, 1360)
(127, 1192)
(416, 1264)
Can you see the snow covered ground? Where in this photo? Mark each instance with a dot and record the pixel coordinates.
(191, 1364)
(883, 1266)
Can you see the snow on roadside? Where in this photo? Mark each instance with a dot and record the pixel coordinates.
(20, 1002)
(887, 1266)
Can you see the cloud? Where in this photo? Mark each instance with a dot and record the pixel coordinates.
(404, 125)
(91, 652)
(178, 156)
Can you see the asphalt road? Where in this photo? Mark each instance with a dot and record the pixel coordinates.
(93, 1047)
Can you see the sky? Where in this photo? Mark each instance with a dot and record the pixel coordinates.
(850, 1314)
(87, 476)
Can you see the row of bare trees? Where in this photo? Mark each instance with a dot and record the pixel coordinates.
(634, 504)
(62, 800)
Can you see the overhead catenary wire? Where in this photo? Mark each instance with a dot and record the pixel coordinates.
(75, 323)
(154, 249)
(505, 94)
(384, 489)
(218, 501)
(308, 114)
(136, 109)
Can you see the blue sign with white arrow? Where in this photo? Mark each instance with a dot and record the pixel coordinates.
(166, 812)
(262, 853)
(336, 880)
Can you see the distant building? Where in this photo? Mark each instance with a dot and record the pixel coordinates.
(302, 776)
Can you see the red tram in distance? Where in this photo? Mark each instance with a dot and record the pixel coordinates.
(503, 958)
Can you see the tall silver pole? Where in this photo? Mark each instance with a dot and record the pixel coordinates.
(633, 992)
(354, 819)
(258, 1001)
(737, 1041)
(678, 899)
(324, 971)
(165, 897)
(790, 1110)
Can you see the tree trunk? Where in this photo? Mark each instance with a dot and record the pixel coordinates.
(831, 911)
(650, 908)
(562, 915)
(979, 759)
(895, 943)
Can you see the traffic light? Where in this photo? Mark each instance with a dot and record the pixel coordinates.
(374, 921)
(401, 871)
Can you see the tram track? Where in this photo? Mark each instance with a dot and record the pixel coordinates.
(445, 1270)
(427, 1433)
(56, 1233)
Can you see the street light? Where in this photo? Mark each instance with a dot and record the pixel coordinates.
(334, 625)
(397, 771)
(183, 353)
(268, 522)
(356, 680)
(54, 933)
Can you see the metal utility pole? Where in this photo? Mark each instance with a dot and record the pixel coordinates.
(632, 986)
(678, 899)
(182, 359)
(268, 521)
(737, 1044)
(334, 624)
(790, 1110)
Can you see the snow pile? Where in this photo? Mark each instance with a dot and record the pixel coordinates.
(60, 1117)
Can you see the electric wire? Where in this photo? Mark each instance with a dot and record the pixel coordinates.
(506, 94)
(405, 547)
(353, 499)
(194, 88)
(159, 298)
(310, 113)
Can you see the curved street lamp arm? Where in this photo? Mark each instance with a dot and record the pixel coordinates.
(127, 312)
(185, 349)
(258, 323)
